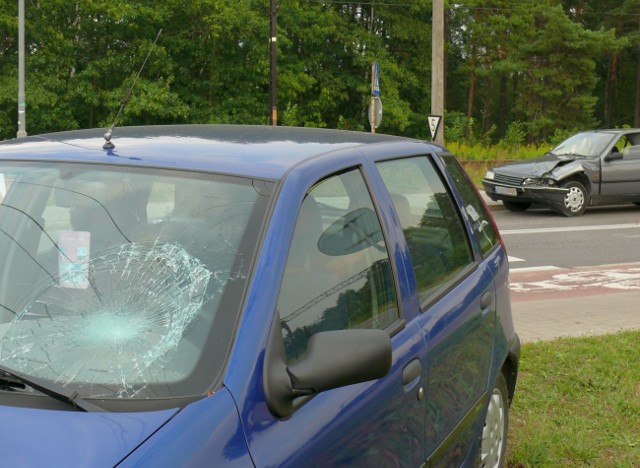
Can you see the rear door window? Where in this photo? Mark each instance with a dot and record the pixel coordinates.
(483, 227)
(432, 225)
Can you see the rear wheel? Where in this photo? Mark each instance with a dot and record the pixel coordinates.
(516, 206)
(493, 442)
(575, 201)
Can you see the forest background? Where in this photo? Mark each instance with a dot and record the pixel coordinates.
(526, 72)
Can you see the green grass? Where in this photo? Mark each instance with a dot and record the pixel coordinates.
(577, 403)
(481, 152)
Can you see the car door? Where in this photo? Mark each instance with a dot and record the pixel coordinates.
(457, 302)
(339, 276)
(621, 177)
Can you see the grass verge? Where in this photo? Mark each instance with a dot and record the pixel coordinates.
(577, 403)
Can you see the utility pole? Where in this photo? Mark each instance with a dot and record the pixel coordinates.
(273, 96)
(437, 66)
(22, 111)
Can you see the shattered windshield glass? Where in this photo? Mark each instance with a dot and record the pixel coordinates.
(119, 284)
(585, 144)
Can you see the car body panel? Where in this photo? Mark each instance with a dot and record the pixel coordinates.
(446, 355)
(204, 433)
(468, 348)
(35, 437)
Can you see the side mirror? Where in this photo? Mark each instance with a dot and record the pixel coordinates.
(342, 357)
(613, 156)
(333, 359)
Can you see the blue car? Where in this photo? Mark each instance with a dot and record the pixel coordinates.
(209, 295)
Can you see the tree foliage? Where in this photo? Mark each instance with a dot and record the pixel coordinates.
(545, 66)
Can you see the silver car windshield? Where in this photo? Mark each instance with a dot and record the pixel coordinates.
(586, 144)
(117, 282)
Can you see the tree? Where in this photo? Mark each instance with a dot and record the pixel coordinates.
(552, 64)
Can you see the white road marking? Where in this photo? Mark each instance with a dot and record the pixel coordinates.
(604, 227)
(515, 259)
(621, 279)
(536, 268)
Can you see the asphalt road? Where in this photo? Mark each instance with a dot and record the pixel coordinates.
(602, 236)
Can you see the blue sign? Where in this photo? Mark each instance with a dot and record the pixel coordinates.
(375, 79)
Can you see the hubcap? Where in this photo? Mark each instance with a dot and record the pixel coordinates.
(493, 432)
(574, 200)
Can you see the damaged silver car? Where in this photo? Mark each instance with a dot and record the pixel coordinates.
(599, 167)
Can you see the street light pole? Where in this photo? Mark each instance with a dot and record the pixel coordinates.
(22, 111)
(437, 66)
(273, 105)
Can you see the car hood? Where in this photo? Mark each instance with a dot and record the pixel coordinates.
(535, 167)
(35, 437)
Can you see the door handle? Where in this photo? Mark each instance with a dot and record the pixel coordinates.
(411, 371)
(486, 300)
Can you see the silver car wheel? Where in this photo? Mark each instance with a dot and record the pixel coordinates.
(494, 433)
(574, 200)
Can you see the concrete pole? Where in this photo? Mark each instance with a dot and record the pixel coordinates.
(273, 93)
(22, 106)
(437, 66)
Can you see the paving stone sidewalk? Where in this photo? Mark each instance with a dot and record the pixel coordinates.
(548, 319)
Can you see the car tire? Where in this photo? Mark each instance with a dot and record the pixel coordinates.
(516, 206)
(574, 203)
(492, 445)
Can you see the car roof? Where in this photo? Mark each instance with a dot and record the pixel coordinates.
(613, 130)
(254, 151)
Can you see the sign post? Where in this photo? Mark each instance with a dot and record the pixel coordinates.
(22, 107)
(375, 105)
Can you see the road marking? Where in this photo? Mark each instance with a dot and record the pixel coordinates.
(515, 259)
(621, 278)
(604, 227)
(532, 269)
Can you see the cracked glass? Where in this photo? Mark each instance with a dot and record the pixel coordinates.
(123, 284)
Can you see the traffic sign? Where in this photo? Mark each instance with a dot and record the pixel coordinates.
(434, 123)
(375, 79)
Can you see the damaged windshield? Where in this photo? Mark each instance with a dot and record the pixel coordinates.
(121, 284)
(586, 144)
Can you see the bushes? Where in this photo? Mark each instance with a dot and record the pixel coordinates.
(476, 158)
(501, 151)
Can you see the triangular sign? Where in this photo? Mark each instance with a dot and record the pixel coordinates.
(434, 123)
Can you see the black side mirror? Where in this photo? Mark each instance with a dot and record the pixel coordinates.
(333, 359)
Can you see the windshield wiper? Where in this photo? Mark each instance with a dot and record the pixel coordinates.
(60, 393)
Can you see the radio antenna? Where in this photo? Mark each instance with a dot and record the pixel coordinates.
(107, 136)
